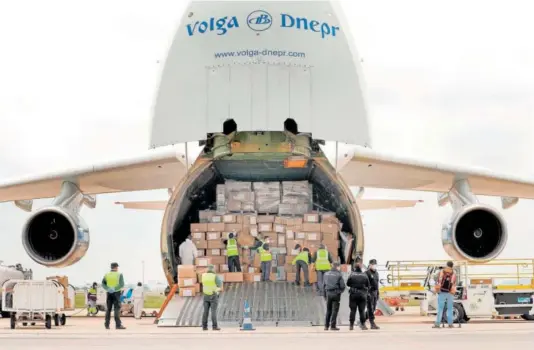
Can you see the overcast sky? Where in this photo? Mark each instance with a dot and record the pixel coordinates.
(451, 81)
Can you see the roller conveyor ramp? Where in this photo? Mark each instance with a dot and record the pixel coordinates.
(273, 304)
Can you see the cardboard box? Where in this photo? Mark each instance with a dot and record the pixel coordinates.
(233, 277)
(215, 227)
(313, 218)
(269, 219)
(187, 282)
(281, 240)
(199, 227)
(253, 229)
(229, 219)
(233, 228)
(211, 236)
(186, 271)
(201, 252)
(245, 240)
(223, 268)
(222, 276)
(197, 288)
(329, 218)
(265, 227)
(330, 237)
(249, 220)
(257, 261)
(203, 262)
(308, 227)
(213, 252)
(291, 276)
(279, 228)
(216, 219)
(252, 277)
(252, 270)
(300, 235)
(200, 243)
(315, 236)
(280, 220)
(294, 221)
(198, 235)
(216, 244)
(188, 291)
(290, 233)
(218, 260)
(329, 228)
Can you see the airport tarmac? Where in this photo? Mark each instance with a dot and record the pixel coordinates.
(89, 333)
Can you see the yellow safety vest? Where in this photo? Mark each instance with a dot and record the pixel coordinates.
(322, 263)
(265, 255)
(303, 256)
(231, 247)
(260, 249)
(209, 284)
(112, 279)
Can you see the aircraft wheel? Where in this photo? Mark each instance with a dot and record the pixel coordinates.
(13, 321)
(56, 320)
(63, 319)
(48, 321)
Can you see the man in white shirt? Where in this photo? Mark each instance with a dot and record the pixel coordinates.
(187, 252)
(139, 300)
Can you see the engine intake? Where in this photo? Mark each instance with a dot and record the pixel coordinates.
(476, 232)
(55, 237)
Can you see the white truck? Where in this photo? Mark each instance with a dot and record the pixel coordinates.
(12, 272)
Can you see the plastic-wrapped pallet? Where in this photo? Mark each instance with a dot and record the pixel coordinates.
(295, 189)
(237, 186)
(296, 198)
(239, 196)
(289, 209)
(221, 195)
(267, 196)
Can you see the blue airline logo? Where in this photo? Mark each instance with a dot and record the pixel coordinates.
(260, 21)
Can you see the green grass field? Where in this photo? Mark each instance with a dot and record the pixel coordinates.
(151, 301)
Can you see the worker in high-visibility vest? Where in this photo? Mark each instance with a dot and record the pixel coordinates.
(211, 286)
(266, 259)
(232, 252)
(113, 282)
(258, 244)
(91, 300)
(323, 262)
(302, 261)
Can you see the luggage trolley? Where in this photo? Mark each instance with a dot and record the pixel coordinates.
(34, 302)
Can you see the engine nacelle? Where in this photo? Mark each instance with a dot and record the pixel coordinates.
(55, 237)
(476, 232)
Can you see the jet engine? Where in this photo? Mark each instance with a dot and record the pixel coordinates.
(476, 232)
(55, 237)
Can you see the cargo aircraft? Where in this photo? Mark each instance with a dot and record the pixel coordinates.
(261, 86)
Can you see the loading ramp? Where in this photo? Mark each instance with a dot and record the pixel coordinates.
(273, 304)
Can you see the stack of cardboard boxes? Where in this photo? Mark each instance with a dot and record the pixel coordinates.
(294, 224)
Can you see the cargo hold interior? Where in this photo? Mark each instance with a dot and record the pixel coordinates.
(328, 194)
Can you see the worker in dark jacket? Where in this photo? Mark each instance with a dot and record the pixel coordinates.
(333, 287)
(358, 283)
(374, 293)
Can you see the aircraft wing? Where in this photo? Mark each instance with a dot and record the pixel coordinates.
(363, 204)
(369, 168)
(375, 204)
(148, 205)
(156, 169)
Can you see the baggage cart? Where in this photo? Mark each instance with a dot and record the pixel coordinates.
(34, 302)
